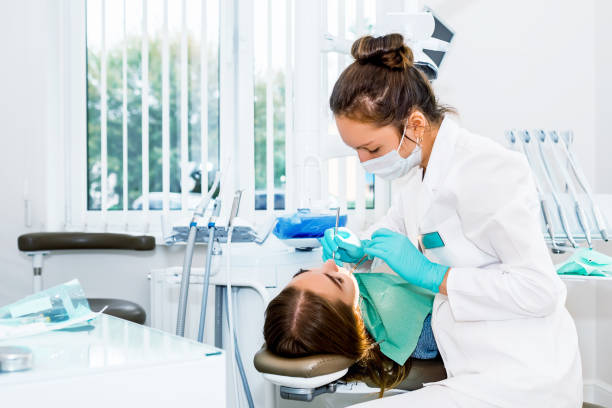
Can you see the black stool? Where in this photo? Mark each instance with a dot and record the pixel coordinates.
(39, 244)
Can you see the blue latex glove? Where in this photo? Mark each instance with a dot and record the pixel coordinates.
(402, 256)
(346, 245)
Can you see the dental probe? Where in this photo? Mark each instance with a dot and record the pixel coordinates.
(548, 177)
(358, 263)
(336, 230)
(601, 226)
(572, 191)
(543, 206)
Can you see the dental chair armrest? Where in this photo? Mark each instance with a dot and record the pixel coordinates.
(319, 365)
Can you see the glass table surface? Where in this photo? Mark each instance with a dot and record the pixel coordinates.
(106, 343)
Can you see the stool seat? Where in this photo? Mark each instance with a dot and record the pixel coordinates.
(48, 241)
(123, 309)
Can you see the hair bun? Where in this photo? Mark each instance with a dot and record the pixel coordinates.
(388, 51)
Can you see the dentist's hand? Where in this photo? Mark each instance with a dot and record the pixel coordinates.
(346, 246)
(402, 256)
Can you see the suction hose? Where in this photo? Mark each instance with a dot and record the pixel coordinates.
(207, 272)
(243, 377)
(185, 276)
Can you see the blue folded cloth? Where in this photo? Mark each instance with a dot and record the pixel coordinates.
(426, 347)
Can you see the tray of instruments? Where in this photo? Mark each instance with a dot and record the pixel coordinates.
(240, 234)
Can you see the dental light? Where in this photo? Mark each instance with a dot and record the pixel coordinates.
(427, 36)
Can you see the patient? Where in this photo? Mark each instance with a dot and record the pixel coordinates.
(321, 311)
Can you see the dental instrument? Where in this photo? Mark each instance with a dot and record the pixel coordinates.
(184, 291)
(240, 364)
(543, 203)
(230, 309)
(582, 219)
(358, 263)
(212, 249)
(599, 220)
(234, 350)
(548, 176)
(336, 229)
(207, 271)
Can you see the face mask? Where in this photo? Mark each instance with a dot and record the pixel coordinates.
(392, 165)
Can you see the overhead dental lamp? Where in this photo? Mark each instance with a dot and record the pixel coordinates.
(424, 32)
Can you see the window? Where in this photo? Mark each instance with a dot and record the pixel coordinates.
(271, 24)
(173, 89)
(347, 20)
(152, 103)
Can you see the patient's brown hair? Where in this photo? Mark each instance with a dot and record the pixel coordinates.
(300, 323)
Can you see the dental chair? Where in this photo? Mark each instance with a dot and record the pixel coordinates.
(303, 378)
(39, 244)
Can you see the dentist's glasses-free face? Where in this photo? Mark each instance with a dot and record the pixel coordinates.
(329, 281)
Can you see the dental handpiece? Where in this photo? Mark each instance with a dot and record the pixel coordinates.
(234, 210)
(548, 177)
(543, 203)
(599, 221)
(582, 219)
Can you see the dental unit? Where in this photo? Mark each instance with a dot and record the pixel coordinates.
(543, 202)
(572, 191)
(599, 220)
(552, 177)
(553, 190)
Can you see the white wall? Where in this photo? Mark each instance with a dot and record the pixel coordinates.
(22, 117)
(522, 64)
(603, 112)
(603, 93)
(604, 334)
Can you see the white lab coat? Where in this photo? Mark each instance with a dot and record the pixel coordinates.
(503, 331)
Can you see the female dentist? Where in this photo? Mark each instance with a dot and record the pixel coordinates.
(464, 224)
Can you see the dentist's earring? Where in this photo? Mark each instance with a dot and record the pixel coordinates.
(417, 139)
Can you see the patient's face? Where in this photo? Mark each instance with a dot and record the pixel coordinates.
(329, 281)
